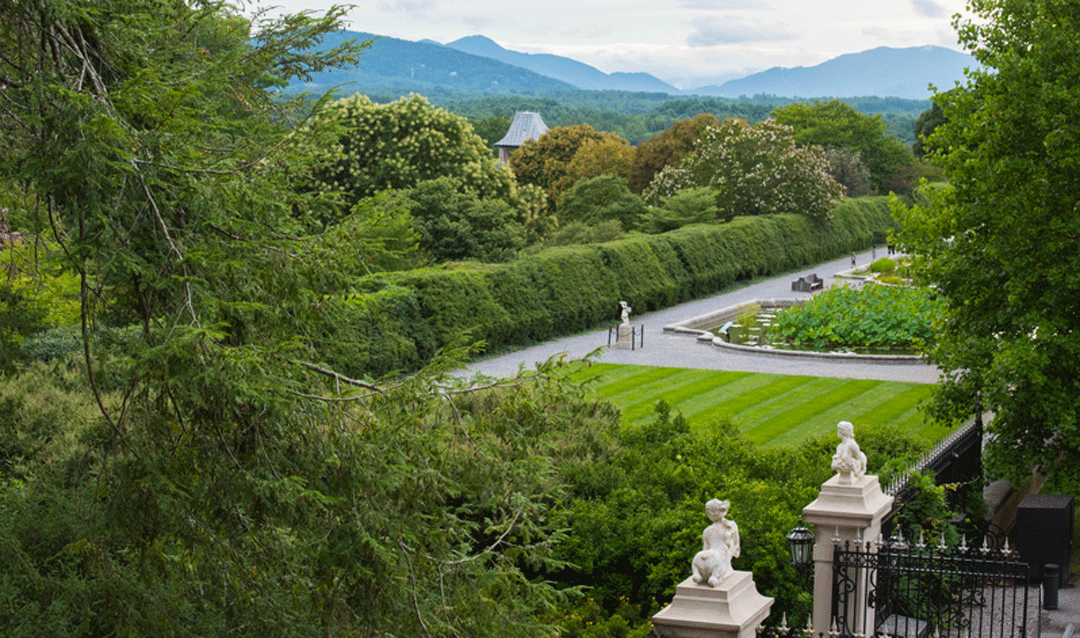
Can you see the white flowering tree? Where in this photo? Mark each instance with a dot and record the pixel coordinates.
(403, 143)
(755, 170)
(407, 142)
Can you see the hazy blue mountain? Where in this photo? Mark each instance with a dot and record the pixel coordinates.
(562, 68)
(884, 71)
(391, 62)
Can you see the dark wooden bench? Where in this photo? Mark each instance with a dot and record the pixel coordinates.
(810, 283)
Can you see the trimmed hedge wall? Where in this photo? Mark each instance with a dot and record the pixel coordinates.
(569, 289)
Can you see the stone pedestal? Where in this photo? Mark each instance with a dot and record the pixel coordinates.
(626, 336)
(844, 510)
(732, 609)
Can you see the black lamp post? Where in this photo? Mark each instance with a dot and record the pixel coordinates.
(801, 543)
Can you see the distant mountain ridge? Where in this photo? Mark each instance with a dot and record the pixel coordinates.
(477, 63)
(392, 62)
(884, 71)
(562, 68)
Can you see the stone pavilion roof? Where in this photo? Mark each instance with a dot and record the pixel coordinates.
(526, 126)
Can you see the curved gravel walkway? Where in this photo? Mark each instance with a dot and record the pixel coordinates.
(684, 351)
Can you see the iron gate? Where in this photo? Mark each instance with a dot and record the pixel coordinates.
(896, 589)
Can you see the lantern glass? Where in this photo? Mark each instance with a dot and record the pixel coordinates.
(801, 545)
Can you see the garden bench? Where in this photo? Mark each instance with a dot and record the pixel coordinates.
(808, 283)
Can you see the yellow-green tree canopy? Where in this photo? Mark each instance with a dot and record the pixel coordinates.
(666, 149)
(545, 162)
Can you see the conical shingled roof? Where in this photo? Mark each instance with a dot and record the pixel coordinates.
(526, 126)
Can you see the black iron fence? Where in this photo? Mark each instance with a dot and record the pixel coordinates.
(636, 336)
(956, 459)
(920, 591)
(897, 589)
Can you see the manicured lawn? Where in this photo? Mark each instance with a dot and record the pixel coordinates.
(771, 409)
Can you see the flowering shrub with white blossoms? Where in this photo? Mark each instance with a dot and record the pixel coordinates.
(405, 142)
(756, 170)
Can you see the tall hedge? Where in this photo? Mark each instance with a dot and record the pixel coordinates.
(569, 289)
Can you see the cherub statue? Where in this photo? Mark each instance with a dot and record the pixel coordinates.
(849, 461)
(625, 313)
(720, 544)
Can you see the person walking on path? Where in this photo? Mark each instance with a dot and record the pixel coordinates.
(852, 259)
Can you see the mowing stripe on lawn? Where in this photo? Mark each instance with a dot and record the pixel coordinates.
(810, 392)
(798, 417)
(889, 402)
(771, 409)
(721, 396)
(691, 398)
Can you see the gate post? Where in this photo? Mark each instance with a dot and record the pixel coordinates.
(850, 506)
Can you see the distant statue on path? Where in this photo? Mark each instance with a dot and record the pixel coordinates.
(720, 544)
(849, 461)
(625, 313)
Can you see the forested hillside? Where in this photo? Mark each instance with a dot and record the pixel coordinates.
(638, 116)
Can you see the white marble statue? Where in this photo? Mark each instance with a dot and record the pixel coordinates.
(720, 544)
(849, 461)
(625, 313)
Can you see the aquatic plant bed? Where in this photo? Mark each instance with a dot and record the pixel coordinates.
(878, 321)
(771, 409)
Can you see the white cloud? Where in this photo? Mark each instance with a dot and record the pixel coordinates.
(725, 5)
(929, 8)
(736, 30)
(414, 7)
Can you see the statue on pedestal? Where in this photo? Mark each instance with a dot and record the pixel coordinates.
(625, 313)
(720, 544)
(849, 461)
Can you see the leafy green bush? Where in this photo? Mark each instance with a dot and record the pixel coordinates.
(454, 222)
(581, 233)
(872, 317)
(687, 206)
(883, 265)
(601, 199)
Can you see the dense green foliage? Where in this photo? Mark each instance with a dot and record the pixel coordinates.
(687, 206)
(601, 199)
(195, 469)
(837, 125)
(930, 119)
(873, 316)
(453, 222)
(545, 162)
(1002, 238)
(667, 148)
(756, 170)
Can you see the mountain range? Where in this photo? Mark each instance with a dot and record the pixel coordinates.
(884, 71)
(477, 63)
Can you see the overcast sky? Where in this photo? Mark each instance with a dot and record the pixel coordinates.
(688, 43)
